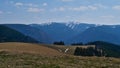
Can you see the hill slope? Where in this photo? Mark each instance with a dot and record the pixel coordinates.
(110, 50)
(11, 35)
(22, 55)
(80, 32)
(58, 31)
(69, 33)
(33, 32)
(99, 33)
(28, 48)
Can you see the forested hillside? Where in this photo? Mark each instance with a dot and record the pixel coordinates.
(11, 35)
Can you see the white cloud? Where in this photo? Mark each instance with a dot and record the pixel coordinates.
(93, 7)
(35, 10)
(19, 4)
(1, 12)
(81, 8)
(67, 0)
(117, 7)
(9, 12)
(31, 5)
(84, 8)
(100, 6)
(89, 7)
(45, 4)
(108, 16)
(59, 9)
(6, 12)
(11, 2)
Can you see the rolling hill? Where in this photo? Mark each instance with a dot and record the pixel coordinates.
(22, 55)
(33, 32)
(110, 49)
(15, 47)
(11, 35)
(68, 33)
(98, 48)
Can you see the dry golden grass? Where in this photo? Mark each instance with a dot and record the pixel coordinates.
(8, 60)
(71, 49)
(25, 55)
(28, 48)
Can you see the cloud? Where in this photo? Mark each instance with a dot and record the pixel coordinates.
(88, 7)
(19, 4)
(45, 4)
(81, 8)
(31, 5)
(92, 7)
(9, 12)
(5, 12)
(1, 12)
(100, 6)
(59, 9)
(35, 10)
(84, 8)
(108, 16)
(11, 2)
(67, 0)
(117, 7)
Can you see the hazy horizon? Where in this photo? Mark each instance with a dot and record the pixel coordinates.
(45, 11)
(70, 22)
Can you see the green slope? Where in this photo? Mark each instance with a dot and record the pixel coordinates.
(11, 35)
(111, 50)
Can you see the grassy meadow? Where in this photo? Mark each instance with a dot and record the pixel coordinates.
(48, 58)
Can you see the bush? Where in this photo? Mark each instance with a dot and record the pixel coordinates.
(59, 43)
(77, 44)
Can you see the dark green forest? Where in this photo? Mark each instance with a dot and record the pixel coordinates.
(110, 50)
(11, 35)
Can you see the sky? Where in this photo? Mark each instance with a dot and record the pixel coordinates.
(44, 11)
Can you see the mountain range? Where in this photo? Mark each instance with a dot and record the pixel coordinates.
(69, 32)
(81, 32)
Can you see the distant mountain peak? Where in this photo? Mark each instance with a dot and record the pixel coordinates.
(113, 26)
(96, 25)
(70, 32)
(70, 25)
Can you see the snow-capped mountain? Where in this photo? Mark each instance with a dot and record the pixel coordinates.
(69, 32)
(81, 32)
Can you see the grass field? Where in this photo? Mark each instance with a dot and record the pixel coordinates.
(71, 49)
(28, 48)
(25, 55)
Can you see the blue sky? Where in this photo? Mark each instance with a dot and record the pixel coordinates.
(43, 11)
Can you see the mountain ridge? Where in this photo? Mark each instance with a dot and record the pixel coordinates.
(35, 33)
(69, 32)
(82, 28)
